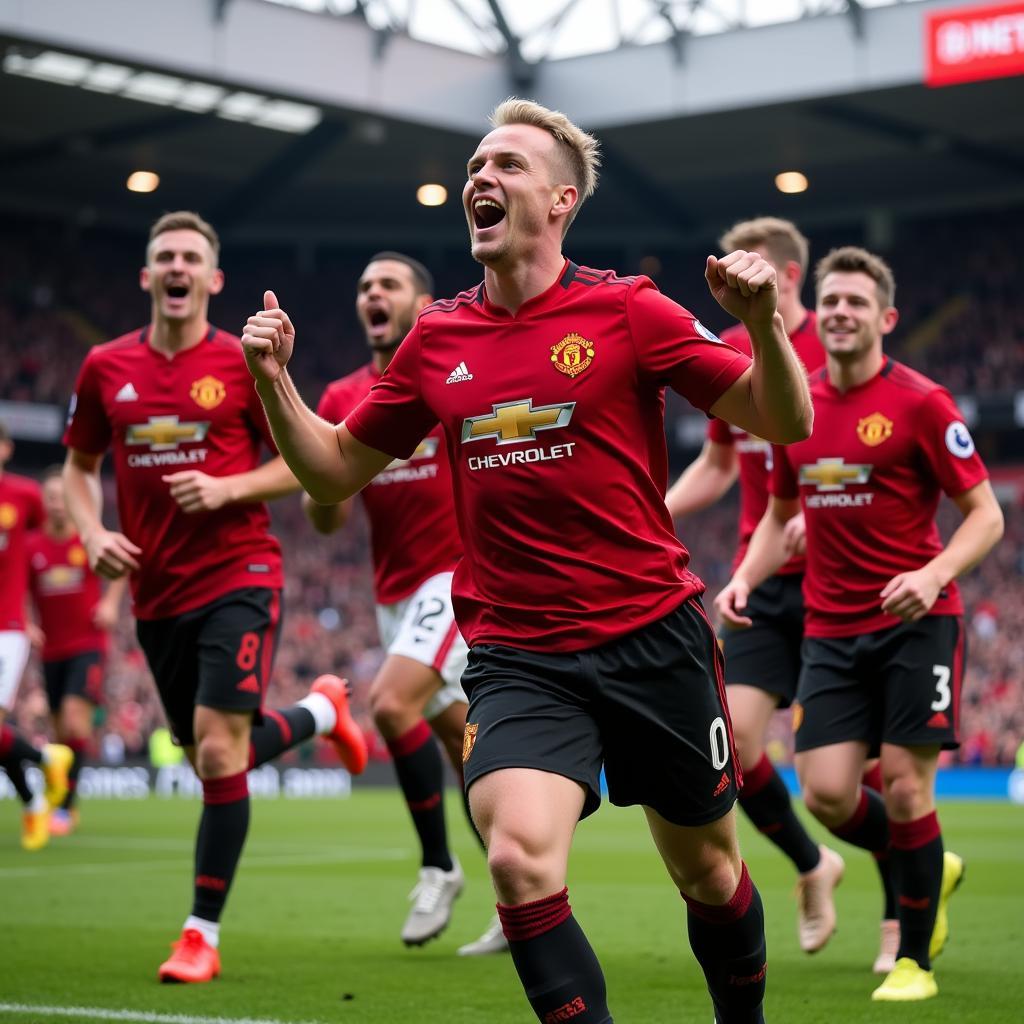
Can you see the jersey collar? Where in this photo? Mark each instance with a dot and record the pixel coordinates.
(549, 297)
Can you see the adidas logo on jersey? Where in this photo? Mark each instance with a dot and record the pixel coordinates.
(459, 374)
(127, 394)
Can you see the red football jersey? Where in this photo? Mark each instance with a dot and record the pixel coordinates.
(21, 510)
(755, 455)
(65, 592)
(410, 506)
(196, 410)
(869, 479)
(554, 423)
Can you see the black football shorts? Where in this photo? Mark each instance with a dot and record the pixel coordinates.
(81, 675)
(899, 685)
(767, 654)
(649, 707)
(219, 655)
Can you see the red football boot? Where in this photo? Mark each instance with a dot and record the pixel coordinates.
(193, 959)
(346, 734)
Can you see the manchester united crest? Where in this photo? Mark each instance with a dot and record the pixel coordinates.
(208, 392)
(8, 515)
(468, 740)
(572, 355)
(874, 429)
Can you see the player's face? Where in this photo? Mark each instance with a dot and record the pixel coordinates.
(511, 193)
(180, 274)
(387, 302)
(53, 502)
(851, 317)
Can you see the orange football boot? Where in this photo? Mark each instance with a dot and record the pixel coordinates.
(346, 734)
(193, 959)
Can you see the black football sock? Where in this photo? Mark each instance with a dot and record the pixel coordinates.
(16, 774)
(917, 869)
(873, 780)
(222, 830)
(420, 772)
(868, 826)
(279, 731)
(18, 748)
(558, 969)
(78, 749)
(728, 942)
(767, 803)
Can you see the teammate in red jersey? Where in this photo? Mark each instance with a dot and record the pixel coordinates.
(762, 663)
(883, 658)
(75, 616)
(416, 546)
(177, 406)
(588, 642)
(21, 511)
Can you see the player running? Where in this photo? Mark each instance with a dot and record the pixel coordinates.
(762, 663)
(75, 617)
(883, 658)
(21, 510)
(177, 406)
(587, 638)
(416, 546)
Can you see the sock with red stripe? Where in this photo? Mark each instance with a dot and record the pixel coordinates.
(554, 961)
(279, 731)
(873, 780)
(728, 942)
(767, 803)
(420, 772)
(78, 747)
(868, 826)
(222, 831)
(917, 868)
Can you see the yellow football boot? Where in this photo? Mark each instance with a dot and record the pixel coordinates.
(57, 761)
(907, 982)
(35, 830)
(952, 876)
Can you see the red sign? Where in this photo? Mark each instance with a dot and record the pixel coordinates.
(971, 43)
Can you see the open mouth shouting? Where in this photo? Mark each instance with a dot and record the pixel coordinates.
(487, 213)
(378, 323)
(177, 295)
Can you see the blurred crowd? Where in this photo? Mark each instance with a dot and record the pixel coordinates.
(962, 322)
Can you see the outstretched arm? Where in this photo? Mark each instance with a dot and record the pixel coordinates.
(196, 491)
(704, 480)
(327, 461)
(770, 400)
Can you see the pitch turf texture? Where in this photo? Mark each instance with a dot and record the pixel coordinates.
(311, 930)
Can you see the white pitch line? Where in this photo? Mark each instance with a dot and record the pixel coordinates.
(256, 861)
(142, 1016)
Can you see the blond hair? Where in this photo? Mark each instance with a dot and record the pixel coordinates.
(851, 259)
(186, 220)
(580, 151)
(780, 238)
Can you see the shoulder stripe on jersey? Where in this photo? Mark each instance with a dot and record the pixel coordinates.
(890, 365)
(588, 277)
(571, 270)
(469, 297)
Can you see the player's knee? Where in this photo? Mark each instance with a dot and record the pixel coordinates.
(905, 796)
(830, 804)
(711, 877)
(519, 874)
(749, 746)
(215, 757)
(391, 714)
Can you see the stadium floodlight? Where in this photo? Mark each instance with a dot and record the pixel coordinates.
(143, 181)
(286, 116)
(432, 195)
(105, 77)
(791, 182)
(50, 66)
(150, 87)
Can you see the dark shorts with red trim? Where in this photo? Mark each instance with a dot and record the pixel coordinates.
(767, 655)
(649, 707)
(899, 685)
(219, 656)
(80, 676)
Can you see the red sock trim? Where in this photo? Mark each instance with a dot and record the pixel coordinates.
(873, 778)
(855, 820)
(528, 920)
(282, 724)
(911, 835)
(728, 912)
(227, 790)
(411, 740)
(77, 744)
(756, 778)
(6, 740)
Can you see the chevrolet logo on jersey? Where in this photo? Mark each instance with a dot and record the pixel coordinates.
(164, 433)
(515, 422)
(833, 474)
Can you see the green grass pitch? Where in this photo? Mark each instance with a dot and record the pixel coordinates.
(311, 929)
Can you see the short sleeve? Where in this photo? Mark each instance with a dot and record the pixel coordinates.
(676, 350)
(947, 445)
(393, 418)
(720, 432)
(784, 483)
(88, 428)
(258, 418)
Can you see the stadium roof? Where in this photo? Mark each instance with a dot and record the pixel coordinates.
(536, 30)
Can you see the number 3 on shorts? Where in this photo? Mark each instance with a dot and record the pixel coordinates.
(943, 696)
(719, 744)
